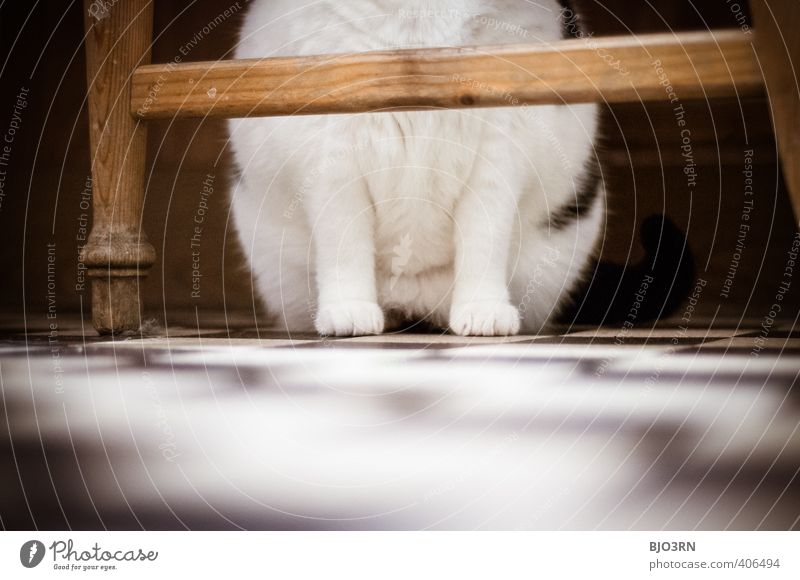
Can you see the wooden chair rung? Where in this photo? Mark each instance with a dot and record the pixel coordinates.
(612, 69)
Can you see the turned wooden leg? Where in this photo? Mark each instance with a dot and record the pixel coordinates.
(778, 44)
(117, 254)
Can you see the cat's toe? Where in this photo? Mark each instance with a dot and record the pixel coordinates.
(484, 319)
(350, 318)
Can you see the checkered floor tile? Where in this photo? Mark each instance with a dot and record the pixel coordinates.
(662, 428)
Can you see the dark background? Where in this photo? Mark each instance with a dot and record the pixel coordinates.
(42, 50)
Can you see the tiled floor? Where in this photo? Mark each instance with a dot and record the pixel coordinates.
(589, 429)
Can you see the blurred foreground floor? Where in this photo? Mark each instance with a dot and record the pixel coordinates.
(662, 428)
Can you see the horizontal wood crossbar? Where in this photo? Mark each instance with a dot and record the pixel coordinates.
(612, 69)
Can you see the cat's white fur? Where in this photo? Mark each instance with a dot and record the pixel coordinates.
(439, 215)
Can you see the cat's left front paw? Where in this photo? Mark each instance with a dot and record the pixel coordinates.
(349, 318)
(489, 318)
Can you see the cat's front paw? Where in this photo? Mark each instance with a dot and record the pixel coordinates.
(349, 318)
(489, 318)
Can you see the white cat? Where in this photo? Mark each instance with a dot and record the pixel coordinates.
(479, 220)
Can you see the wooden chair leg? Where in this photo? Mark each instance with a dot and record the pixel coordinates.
(778, 45)
(117, 254)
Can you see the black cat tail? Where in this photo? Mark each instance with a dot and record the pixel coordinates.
(650, 290)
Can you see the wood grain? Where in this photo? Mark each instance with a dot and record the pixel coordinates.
(778, 45)
(117, 252)
(612, 69)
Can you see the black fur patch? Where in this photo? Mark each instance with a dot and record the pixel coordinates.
(570, 25)
(587, 188)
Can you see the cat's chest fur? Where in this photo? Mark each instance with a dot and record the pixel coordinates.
(415, 172)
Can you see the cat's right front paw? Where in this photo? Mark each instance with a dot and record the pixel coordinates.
(489, 318)
(349, 318)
